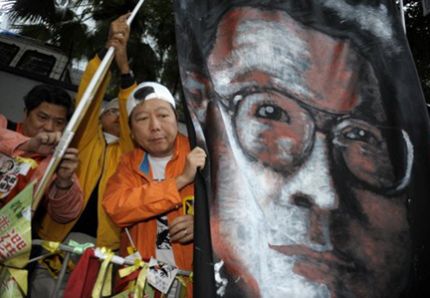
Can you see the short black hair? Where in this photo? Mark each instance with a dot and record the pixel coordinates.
(50, 94)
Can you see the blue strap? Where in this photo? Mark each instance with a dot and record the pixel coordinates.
(144, 166)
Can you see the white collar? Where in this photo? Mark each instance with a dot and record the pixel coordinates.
(110, 138)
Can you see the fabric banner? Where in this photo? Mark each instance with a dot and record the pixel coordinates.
(318, 140)
(15, 242)
(9, 288)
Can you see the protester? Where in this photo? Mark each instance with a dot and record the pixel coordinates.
(146, 192)
(100, 142)
(47, 110)
(100, 145)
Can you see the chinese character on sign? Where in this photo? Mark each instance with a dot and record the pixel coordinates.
(4, 223)
(11, 243)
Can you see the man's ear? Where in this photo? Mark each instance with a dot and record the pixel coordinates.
(133, 140)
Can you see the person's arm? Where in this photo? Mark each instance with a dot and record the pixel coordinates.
(64, 204)
(64, 197)
(15, 144)
(10, 140)
(128, 200)
(119, 35)
(3, 121)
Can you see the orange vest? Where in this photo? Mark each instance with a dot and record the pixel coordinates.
(134, 200)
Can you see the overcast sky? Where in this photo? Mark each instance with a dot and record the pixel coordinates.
(3, 18)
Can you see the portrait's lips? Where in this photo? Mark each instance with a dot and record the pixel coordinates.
(317, 266)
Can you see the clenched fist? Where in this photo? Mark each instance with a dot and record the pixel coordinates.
(196, 159)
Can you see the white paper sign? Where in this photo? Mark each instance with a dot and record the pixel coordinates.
(161, 275)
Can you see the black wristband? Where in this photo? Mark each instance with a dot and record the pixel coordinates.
(127, 80)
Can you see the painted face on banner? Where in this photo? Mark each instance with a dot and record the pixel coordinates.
(307, 200)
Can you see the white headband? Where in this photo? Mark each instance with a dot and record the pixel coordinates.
(107, 105)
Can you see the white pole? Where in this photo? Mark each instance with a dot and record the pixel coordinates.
(77, 117)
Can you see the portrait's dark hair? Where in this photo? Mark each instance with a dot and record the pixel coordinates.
(50, 94)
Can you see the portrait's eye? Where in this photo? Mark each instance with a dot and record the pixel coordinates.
(272, 112)
(363, 149)
(360, 134)
(274, 130)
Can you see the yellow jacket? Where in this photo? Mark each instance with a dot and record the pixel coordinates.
(97, 161)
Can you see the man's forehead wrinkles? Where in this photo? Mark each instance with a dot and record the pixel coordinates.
(279, 54)
(256, 48)
(276, 36)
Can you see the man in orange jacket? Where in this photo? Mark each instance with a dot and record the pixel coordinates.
(151, 183)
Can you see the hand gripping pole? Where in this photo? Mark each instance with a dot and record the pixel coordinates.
(77, 117)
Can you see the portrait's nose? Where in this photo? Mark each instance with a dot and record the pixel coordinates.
(318, 221)
(313, 190)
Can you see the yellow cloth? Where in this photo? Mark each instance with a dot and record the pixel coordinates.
(97, 161)
(102, 287)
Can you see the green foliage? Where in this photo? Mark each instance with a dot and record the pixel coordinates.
(81, 29)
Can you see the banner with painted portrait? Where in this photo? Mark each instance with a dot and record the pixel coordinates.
(318, 141)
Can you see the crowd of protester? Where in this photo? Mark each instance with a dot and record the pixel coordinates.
(125, 177)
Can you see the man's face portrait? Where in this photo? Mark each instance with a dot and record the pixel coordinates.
(6, 165)
(307, 200)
